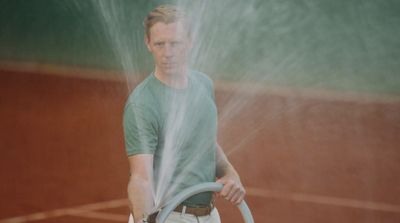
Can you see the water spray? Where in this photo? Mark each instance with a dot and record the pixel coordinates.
(204, 187)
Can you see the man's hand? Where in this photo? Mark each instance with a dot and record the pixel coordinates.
(233, 190)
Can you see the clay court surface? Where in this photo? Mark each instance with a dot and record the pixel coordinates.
(303, 158)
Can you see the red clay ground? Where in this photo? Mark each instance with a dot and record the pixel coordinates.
(302, 159)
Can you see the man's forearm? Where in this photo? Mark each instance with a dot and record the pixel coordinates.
(224, 167)
(233, 189)
(140, 197)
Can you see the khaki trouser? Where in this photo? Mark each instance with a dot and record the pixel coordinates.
(177, 217)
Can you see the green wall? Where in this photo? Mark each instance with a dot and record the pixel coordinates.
(346, 45)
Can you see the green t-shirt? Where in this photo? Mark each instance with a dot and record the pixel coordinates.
(177, 126)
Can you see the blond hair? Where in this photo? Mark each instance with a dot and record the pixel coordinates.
(165, 14)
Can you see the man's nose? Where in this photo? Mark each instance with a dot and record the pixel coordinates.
(168, 50)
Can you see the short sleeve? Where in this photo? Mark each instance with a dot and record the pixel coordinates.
(139, 131)
(212, 90)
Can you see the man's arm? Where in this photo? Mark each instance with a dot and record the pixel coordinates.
(233, 189)
(140, 186)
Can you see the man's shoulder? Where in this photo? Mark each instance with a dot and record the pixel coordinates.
(142, 93)
(202, 77)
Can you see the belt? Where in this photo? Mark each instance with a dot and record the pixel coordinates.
(196, 211)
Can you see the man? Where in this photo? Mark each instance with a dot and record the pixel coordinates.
(170, 126)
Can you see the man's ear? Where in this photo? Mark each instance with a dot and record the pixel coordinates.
(147, 42)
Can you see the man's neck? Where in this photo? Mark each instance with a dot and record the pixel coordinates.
(177, 80)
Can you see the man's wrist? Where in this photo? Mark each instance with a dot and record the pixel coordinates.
(142, 220)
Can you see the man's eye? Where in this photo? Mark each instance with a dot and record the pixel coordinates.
(159, 44)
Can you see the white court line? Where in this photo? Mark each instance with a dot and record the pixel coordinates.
(88, 210)
(318, 199)
(73, 211)
(103, 216)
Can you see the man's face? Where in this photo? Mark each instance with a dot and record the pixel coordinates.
(170, 45)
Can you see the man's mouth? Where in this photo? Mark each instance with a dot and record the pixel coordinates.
(169, 64)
